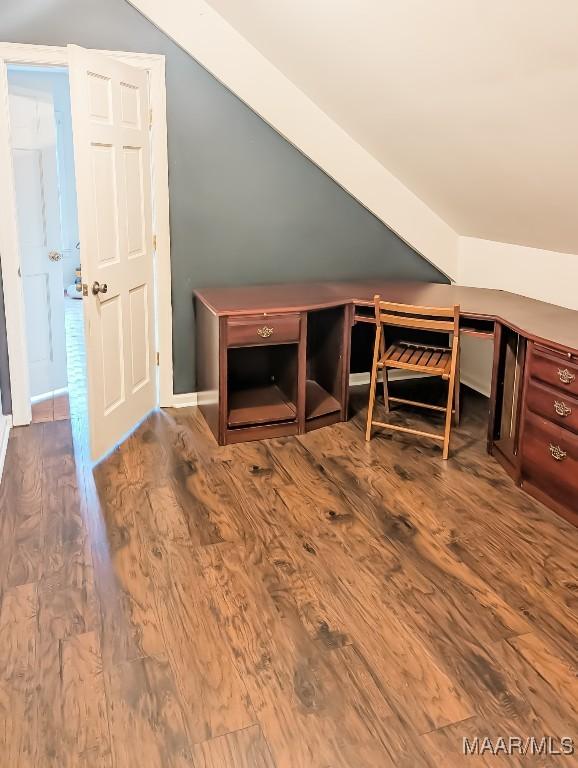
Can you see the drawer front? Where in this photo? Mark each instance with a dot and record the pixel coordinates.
(263, 329)
(550, 460)
(557, 370)
(554, 405)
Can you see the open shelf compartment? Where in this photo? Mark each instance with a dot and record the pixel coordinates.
(259, 405)
(318, 402)
(505, 429)
(324, 385)
(262, 385)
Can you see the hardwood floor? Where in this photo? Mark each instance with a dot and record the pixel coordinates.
(63, 405)
(52, 408)
(312, 601)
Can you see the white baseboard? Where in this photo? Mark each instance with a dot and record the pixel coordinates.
(478, 386)
(5, 426)
(46, 395)
(184, 400)
(189, 399)
(357, 379)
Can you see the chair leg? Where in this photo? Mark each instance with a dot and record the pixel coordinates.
(457, 404)
(386, 388)
(448, 424)
(384, 374)
(373, 383)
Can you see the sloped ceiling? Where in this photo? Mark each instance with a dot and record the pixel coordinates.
(473, 105)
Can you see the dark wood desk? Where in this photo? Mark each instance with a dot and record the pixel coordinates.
(275, 360)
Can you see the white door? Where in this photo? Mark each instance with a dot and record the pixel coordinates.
(33, 134)
(110, 125)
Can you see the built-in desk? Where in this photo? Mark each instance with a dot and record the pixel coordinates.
(275, 360)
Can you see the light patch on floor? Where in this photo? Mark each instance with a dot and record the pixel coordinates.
(61, 405)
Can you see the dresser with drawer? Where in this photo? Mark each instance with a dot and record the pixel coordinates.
(549, 429)
(272, 374)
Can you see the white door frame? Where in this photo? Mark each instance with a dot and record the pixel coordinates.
(44, 55)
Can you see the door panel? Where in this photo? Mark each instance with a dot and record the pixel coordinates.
(33, 132)
(113, 368)
(31, 219)
(37, 294)
(99, 97)
(140, 353)
(112, 159)
(130, 106)
(105, 203)
(133, 182)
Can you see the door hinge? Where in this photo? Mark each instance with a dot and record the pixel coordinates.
(158, 358)
(154, 242)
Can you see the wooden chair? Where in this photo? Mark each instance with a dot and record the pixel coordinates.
(422, 358)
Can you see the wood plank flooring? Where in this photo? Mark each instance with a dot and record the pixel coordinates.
(52, 408)
(313, 601)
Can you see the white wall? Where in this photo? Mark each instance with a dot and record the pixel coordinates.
(55, 84)
(449, 95)
(546, 275)
(203, 33)
(5, 424)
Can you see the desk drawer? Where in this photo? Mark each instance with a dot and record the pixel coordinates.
(550, 460)
(557, 370)
(554, 405)
(252, 330)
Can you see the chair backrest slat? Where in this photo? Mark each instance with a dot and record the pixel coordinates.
(417, 322)
(421, 318)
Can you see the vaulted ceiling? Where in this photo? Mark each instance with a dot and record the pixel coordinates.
(473, 105)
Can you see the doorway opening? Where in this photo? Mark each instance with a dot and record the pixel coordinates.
(118, 116)
(45, 187)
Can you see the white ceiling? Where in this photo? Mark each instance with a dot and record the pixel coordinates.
(473, 104)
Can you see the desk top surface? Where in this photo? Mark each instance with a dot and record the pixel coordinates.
(534, 319)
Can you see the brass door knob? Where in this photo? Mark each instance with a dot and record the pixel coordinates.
(54, 255)
(98, 288)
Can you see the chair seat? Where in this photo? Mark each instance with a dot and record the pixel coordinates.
(422, 358)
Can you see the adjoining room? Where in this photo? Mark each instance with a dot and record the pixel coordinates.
(43, 161)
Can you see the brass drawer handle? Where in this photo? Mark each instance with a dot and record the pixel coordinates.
(557, 452)
(561, 408)
(566, 376)
(265, 332)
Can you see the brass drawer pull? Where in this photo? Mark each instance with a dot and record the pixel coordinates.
(265, 332)
(561, 408)
(566, 376)
(557, 452)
